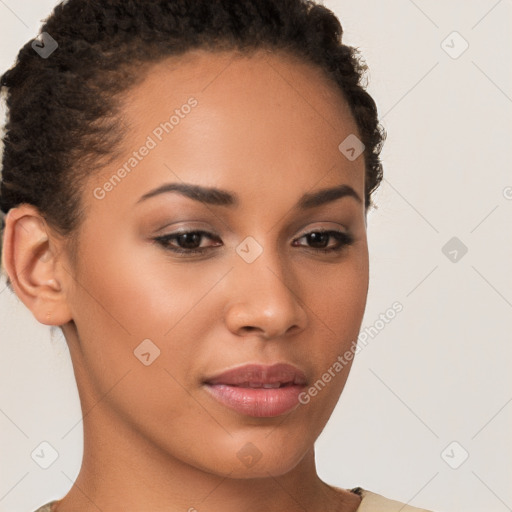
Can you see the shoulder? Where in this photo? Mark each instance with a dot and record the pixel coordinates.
(371, 502)
(46, 507)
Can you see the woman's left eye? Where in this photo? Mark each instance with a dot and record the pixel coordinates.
(189, 242)
(320, 239)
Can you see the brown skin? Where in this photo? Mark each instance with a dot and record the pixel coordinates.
(267, 127)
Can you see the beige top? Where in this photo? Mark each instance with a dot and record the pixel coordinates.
(370, 502)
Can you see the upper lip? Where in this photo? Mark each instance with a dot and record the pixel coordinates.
(259, 374)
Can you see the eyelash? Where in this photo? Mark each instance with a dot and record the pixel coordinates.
(344, 240)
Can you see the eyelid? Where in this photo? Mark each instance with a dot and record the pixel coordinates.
(321, 225)
(334, 226)
(185, 226)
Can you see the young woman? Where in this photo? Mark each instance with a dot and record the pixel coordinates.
(186, 184)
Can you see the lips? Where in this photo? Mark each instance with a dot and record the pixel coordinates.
(258, 390)
(260, 376)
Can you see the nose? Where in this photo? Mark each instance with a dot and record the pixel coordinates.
(264, 298)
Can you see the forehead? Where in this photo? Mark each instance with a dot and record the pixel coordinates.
(239, 88)
(259, 121)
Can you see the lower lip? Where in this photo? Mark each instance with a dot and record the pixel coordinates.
(257, 402)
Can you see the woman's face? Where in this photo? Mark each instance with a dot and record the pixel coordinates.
(257, 285)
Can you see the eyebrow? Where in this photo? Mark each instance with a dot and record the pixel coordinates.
(219, 197)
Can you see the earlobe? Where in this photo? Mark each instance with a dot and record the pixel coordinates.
(30, 257)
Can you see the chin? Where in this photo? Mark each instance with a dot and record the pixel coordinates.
(257, 460)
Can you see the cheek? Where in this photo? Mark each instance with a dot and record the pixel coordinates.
(336, 296)
(122, 298)
(122, 302)
(129, 287)
(335, 299)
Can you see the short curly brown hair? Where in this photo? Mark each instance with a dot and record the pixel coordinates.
(62, 124)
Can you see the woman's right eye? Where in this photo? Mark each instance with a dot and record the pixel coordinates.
(186, 242)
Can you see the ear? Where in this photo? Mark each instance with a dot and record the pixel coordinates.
(31, 257)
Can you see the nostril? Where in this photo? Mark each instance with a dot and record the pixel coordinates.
(249, 328)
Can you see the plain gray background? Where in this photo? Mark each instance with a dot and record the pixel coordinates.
(426, 415)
